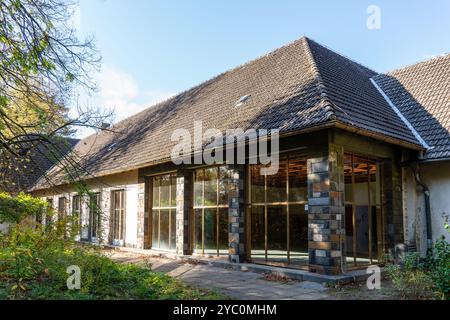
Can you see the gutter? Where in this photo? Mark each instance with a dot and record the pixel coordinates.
(414, 165)
(426, 195)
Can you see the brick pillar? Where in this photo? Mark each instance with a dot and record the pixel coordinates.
(236, 214)
(184, 206)
(326, 213)
(141, 214)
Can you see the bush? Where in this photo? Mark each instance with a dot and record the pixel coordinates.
(16, 209)
(438, 265)
(33, 265)
(429, 279)
(411, 281)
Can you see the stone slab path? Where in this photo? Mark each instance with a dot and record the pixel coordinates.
(234, 284)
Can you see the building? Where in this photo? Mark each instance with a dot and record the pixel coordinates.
(342, 198)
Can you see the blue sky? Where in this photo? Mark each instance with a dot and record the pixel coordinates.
(154, 49)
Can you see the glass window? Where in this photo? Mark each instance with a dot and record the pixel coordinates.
(298, 234)
(277, 184)
(362, 210)
(164, 212)
(258, 184)
(211, 210)
(118, 217)
(94, 215)
(278, 212)
(277, 233)
(298, 180)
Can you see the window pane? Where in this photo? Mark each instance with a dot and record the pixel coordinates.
(173, 230)
(297, 180)
(164, 229)
(375, 196)
(173, 185)
(211, 186)
(198, 230)
(257, 232)
(198, 187)
(165, 191)
(224, 176)
(298, 235)
(223, 231)
(257, 184)
(348, 169)
(276, 234)
(349, 229)
(156, 183)
(277, 184)
(210, 231)
(362, 231)
(155, 228)
(361, 192)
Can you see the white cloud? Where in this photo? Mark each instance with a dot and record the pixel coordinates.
(120, 92)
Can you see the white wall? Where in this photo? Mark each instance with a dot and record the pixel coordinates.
(125, 181)
(437, 177)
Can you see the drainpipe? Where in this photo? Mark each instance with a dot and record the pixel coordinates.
(426, 195)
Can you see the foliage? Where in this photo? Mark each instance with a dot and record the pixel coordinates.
(438, 265)
(15, 209)
(428, 279)
(33, 265)
(411, 281)
(43, 67)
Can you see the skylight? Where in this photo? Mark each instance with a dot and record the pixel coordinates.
(243, 100)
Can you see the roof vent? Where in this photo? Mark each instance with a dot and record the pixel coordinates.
(111, 146)
(242, 100)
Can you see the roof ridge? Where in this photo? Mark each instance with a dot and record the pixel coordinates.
(343, 56)
(418, 63)
(325, 100)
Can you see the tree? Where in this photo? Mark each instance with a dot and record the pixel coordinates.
(42, 64)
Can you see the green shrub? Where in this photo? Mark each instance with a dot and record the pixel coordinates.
(33, 265)
(429, 279)
(410, 280)
(438, 266)
(16, 209)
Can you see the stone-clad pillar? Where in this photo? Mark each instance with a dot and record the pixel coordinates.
(184, 206)
(142, 214)
(236, 214)
(326, 213)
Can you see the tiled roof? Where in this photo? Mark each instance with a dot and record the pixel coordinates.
(19, 174)
(422, 93)
(298, 86)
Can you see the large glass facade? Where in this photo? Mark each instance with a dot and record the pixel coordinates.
(363, 214)
(278, 219)
(211, 211)
(164, 212)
